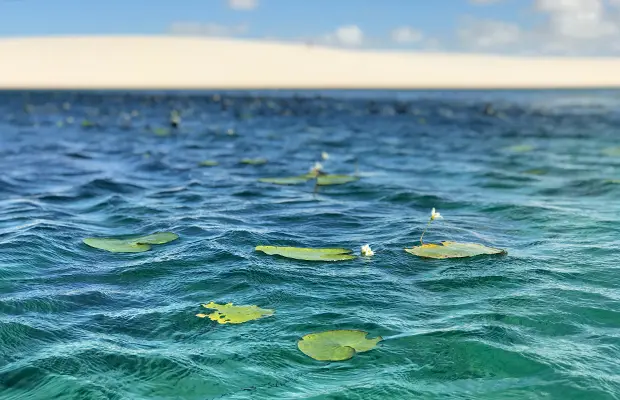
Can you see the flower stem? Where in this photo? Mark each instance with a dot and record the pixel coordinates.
(425, 229)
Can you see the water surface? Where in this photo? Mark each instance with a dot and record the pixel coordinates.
(536, 174)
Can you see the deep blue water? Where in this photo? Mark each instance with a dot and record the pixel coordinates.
(539, 176)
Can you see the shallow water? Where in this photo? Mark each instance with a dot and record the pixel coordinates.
(539, 177)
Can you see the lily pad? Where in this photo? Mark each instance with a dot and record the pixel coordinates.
(336, 345)
(208, 163)
(290, 180)
(254, 161)
(452, 250)
(161, 131)
(230, 314)
(132, 245)
(521, 148)
(301, 253)
(324, 180)
(612, 151)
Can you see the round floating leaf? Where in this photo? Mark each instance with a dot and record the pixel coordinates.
(161, 131)
(156, 238)
(116, 245)
(131, 245)
(291, 180)
(324, 180)
(452, 250)
(208, 163)
(612, 151)
(254, 161)
(336, 345)
(230, 314)
(300, 253)
(521, 148)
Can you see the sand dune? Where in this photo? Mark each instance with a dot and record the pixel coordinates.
(162, 62)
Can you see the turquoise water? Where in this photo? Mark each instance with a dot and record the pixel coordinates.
(538, 176)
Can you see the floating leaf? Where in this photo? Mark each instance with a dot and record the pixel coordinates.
(452, 250)
(535, 171)
(520, 148)
(88, 124)
(208, 163)
(300, 253)
(131, 245)
(116, 245)
(230, 314)
(254, 161)
(336, 345)
(324, 180)
(161, 131)
(291, 180)
(612, 151)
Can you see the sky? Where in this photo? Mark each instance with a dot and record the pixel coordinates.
(519, 27)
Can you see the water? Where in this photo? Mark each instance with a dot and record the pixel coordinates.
(540, 323)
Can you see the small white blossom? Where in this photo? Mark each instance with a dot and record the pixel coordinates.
(317, 167)
(367, 251)
(435, 215)
(324, 155)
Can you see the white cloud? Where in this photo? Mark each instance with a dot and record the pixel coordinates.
(405, 34)
(188, 28)
(347, 35)
(485, 34)
(577, 19)
(566, 27)
(244, 5)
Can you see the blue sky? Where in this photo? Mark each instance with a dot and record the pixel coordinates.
(526, 26)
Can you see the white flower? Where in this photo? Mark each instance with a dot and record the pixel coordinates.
(317, 167)
(367, 251)
(435, 215)
(324, 155)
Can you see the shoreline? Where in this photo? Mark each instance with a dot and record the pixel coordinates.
(163, 62)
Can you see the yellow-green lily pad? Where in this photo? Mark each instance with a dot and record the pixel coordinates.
(324, 180)
(338, 345)
(612, 151)
(131, 245)
(254, 161)
(231, 314)
(208, 163)
(308, 254)
(521, 148)
(452, 250)
(161, 131)
(290, 180)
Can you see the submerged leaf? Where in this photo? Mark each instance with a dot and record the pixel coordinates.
(131, 245)
(230, 314)
(452, 250)
(338, 345)
(254, 161)
(208, 163)
(300, 253)
(324, 180)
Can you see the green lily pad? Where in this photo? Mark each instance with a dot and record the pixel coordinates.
(291, 180)
(521, 148)
(230, 314)
(336, 345)
(161, 131)
(612, 151)
(452, 250)
(300, 253)
(254, 161)
(208, 163)
(324, 180)
(131, 245)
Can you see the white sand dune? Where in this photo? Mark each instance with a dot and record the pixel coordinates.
(163, 62)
